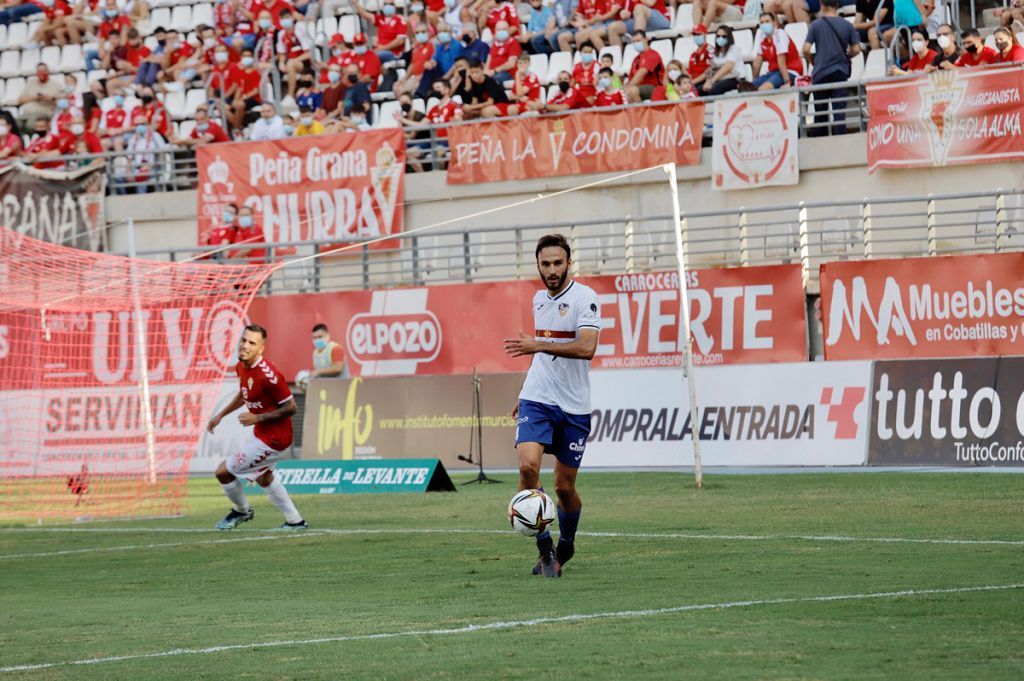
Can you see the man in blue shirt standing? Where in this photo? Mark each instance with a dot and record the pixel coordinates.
(835, 41)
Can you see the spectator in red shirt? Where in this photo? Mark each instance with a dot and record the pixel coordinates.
(646, 72)
(778, 52)
(126, 60)
(250, 234)
(266, 41)
(153, 111)
(294, 50)
(93, 144)
(272, 7)
(1008, 50)
(367, 60)
(607, 93)
(10, 140)
(243, 90)
(52, 27)
(391, 29)
(605, 24)
(417, 59)
(975, 52)
(584, 73)
(115, 124)
(446, 110)
(114, 22)
(526, 86)
(205, 132)
(492, 12)
(222, 74)
(505, 50)
(922, 56)
(223, 233)
(567, 96)
(666, 91)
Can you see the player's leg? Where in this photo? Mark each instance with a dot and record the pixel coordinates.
(241, 509)
(278, 496)
(569, 445)
(534, 432)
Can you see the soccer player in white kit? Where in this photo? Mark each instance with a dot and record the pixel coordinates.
(553, 412)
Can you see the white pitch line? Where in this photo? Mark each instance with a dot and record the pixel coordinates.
(624, 535)
(514, 624)
(133, 547)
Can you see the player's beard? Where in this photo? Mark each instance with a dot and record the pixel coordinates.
(559, 283)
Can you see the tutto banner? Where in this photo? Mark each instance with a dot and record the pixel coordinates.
(333, 187)
(951, 306)
(739, 315)
(805, 414)
(945, 118)
(62, 208)
(954, 412)
(587, 142)
(755, 142)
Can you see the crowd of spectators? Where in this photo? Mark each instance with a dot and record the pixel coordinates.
(467, 59)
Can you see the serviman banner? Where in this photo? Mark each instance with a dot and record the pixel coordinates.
(946, 117)
(578, 143)
(318, 187)
(953, 306)
(755, 142)
(738, 315)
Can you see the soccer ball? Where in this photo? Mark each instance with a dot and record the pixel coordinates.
(530, 512)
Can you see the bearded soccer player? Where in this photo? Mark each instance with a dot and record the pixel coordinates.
(553, 412)
(265, 393)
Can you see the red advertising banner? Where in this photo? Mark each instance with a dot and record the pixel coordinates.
(578, 143)
(952, 306)
(946, 118)
(741, 315)
(327, 187)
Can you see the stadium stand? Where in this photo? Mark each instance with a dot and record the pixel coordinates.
(271, 50)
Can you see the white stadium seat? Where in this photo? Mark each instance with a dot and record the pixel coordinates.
(684, 48)
(663, 48)
(193, 98)
(348, 26)
(181, 18)
(387, 114)
(161, 16)
(874, 66)
(745, 41)
(51, 57)
(628, 56)
(558, 61)
(71, 58)
(616, 52)
(12, 90)
(857, 67)
(539, 66)
(10, 63)
(17, 34)
(29, 61)
(797, 30)
(201, 14)
(185, 128)
(175, 103)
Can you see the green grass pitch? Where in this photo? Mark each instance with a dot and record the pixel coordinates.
(133, 591)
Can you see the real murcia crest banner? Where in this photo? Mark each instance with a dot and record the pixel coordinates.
(591, 141)
(755, 142)
(946, 118)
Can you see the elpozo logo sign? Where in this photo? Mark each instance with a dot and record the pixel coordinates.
(396, 335)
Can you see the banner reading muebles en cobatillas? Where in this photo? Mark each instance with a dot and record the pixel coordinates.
(323, 187)
(953, 306)
(594, 141)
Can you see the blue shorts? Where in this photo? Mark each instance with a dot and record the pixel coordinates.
(564, 435)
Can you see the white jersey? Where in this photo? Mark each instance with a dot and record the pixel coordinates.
(561, 381)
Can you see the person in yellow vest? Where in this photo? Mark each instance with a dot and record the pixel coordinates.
(328, 358)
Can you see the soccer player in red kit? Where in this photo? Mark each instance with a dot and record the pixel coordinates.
(264, 391)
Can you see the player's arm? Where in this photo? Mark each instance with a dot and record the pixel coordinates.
(336, 368)
(232, 406)
(283, 411)
(583, 347)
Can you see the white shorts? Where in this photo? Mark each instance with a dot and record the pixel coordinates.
(253, 460)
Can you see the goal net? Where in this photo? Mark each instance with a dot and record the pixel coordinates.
(109, 369)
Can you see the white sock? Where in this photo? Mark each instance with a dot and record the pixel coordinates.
(278, 496)
(236, 494)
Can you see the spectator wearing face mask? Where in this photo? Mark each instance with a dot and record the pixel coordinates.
(474, 49)
(243, 90)
(206, 131)
(922, 56)
(223, 73)
(115, 125)
(607, 93)
(584, 72)
(367, 62)
(567, 97)
(445, 111)
(948, 53)
(1008, 50)
(666, 92)
(526, 88)
(647, 71)
(250, 237)
(269, 126)
(68, 105)
(606, 61)
(93, 144)
(39, 97)
(724, 73)
(126, 61)
(775, 49)
(114, 21)
(391, 29)
(266, 40)
(341, 54)
(357, 92)
(294, 51)
(501, 62)
(975, 53)
(417, 137)
(10, 141)
(309, 94)
(273, 8)
(358, 119)
(154, 112)
(177, 55)
(224, 232)
(143, 163)
(308, 124)
(442, 63)
(419, 58)
(334, 92)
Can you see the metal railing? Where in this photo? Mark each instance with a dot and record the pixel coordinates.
(807, 233)
(179, 169)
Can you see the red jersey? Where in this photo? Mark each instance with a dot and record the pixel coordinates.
(114, 119)
(224, 17)
(505, 11)
(769, 48)
(369, 66)
(446, 113)
(183, 51)
(986, 56)
(699, 62)
(247, 80)
(135, 54)
(421, 54)
(92, 142)
(264, 389)
(589, 9)
(585, 77)
(502, 52)
(659, 7)
(917, 63)
(212, 129)
(156, 115)
(1016, 54)
(59, 9)
(342, 60)
(571, 97)
(651, 61)
(291, 44)
(390, 28)
(115, 25)
(252, 236)
(12, 142)
(222, 235)
(530, 83)
(275, 7)
(610, 99)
